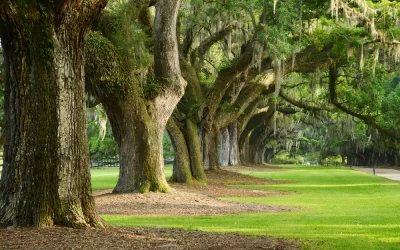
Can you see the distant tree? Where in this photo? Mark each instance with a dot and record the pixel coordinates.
(101, 141)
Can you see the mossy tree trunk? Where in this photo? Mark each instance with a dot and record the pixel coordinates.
(46, 179)
(186, 117)
(166, 67)
(141, 162)
(138, 121)
(181, 170)
(193, 142)
(187, 142)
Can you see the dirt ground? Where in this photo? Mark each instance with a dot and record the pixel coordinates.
(183, 200)
(192, 200)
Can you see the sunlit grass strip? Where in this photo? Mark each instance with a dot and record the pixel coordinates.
(338, 208)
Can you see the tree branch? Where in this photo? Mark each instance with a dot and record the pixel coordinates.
(250, 111)
(166, 58)
(224, 79)
(197, 54)
(245, 98)
(333, 75)
(302, 105)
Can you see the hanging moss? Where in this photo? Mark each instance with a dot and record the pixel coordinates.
(104, 66)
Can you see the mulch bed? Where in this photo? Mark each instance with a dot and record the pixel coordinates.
(132, 238)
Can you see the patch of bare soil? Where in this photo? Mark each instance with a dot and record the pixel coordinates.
(193, 199)
(132, 238)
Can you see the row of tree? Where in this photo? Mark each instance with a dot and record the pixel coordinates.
(228, 73)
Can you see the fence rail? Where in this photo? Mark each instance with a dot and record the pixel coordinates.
(104, 162)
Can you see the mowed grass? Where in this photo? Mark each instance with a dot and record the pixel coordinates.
(337, 208)
(106, 178)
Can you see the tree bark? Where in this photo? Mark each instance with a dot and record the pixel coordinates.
(138, 122)
(167, 72)
(192, 116)
(224, 145)
(188, 161)
(46, 178)
(233, 145)
(193, 142)
(181, 170)
(140, 148)
(210, 140)
(135, 130)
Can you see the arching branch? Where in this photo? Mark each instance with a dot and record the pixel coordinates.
(245, 98)
(302, 105)
(197, 54)
(333, 75)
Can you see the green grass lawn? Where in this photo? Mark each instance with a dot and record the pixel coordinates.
(106, 178)
(338, 208)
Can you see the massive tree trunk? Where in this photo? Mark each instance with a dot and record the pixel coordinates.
(137, 137)
(46, 179)
(138, 121)
(167, 70)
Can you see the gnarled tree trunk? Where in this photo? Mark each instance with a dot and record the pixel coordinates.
(192, 165)
(46, 178)
(138, 122)
(187, 116)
